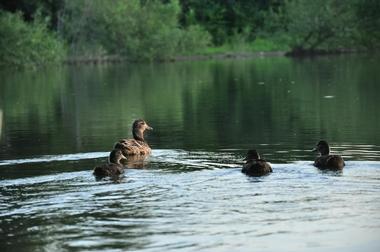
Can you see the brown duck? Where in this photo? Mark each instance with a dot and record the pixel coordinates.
(325, 160)
(113, 168)
(255, 166)
(137, 145)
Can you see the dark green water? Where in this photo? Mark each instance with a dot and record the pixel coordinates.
(57, 123)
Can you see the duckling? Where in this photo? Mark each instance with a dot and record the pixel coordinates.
(255, 166)
(137, 145)
(326, 161)
(113, 168)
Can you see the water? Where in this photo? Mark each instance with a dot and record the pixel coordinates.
(56, 124)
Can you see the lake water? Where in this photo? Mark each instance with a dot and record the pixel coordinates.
(57, 123)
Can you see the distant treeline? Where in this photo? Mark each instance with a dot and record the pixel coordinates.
(41, 31)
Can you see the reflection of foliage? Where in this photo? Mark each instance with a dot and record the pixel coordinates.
(202, 105)
(29, 94)
(1, 122)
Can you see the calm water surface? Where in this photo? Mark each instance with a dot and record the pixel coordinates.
(56, 124)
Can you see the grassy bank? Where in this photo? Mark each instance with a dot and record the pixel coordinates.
(236, 49)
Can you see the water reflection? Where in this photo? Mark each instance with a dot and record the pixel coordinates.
(1, 122)
(136, 161)
(192, 200)
(194, 105)
(57, 124)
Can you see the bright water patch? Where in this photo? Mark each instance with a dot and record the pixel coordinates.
(195, 201)
(56, 124)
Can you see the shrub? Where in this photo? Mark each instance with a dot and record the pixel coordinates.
(139, 31)
(24, 43)
(320, 24)
(194, 39)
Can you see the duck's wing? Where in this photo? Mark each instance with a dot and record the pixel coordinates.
(108, 170)
(133, 147)
(335, 161)
(100, 171)
(264, 166)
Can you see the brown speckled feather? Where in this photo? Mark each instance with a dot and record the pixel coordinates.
(133, 147)
(137, 145)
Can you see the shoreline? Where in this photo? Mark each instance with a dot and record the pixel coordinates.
(112, 59)
(195, 57)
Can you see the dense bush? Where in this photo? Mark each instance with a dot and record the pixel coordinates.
(368, 13)
(129, 28)
(24, 43)
(321, 24)
(161, 29)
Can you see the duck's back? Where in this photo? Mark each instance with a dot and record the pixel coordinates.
(108, 170)
(257, 168)
(134, 147)
(334, 162)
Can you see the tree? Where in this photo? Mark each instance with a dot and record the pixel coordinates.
(368, 12)
(320, 24)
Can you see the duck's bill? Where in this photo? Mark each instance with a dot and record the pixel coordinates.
(149, 128)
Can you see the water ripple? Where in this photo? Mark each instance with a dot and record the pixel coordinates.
(195, 201)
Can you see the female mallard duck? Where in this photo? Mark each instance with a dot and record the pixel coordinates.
(113, 168)
(326, 161)
(137, 145)
(255, 166)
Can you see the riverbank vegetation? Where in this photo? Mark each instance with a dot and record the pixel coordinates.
(37, 32)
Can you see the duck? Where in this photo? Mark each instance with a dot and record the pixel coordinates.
(254, 165)
(325, 160)
(137, 145)
(113, 168)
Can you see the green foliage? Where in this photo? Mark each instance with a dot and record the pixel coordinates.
(24, 43)
(268, 45)
(161, 29)
(127, 27)
(193, 39)
(28, 8)
(320, 24)
(368, 12)
(227, 19)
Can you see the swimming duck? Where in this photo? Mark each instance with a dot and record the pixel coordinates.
(137, 145)
(326, 161)
(113, 168)
(254, 165)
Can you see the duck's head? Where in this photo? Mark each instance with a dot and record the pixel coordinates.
(116, 156)
(252, 155)
(322, 147)
(138, 128)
